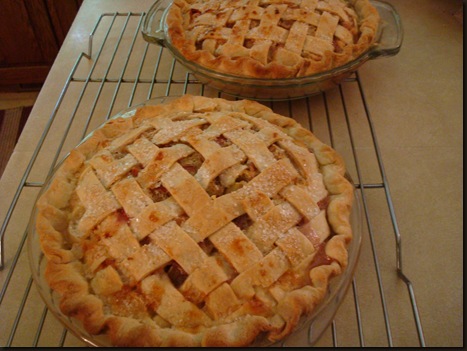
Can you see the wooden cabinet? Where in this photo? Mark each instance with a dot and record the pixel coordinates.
(31, 33)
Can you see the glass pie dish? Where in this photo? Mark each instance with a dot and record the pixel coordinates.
(388, 42)
(312, 326)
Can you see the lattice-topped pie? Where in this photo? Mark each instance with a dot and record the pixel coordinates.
(272, 38)
(198, 222)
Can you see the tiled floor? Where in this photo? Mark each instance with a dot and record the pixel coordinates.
(12, 120)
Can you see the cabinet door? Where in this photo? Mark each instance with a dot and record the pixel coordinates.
(62, 14)
(26, 35)
(31, 32)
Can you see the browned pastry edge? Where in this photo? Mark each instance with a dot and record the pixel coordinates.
(64, 270)
(246, 66)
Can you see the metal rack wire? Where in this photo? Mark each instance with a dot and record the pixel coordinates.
(120, 70)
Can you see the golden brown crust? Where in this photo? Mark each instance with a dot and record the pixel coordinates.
(278, 302)
(294, 52)
(239, 333)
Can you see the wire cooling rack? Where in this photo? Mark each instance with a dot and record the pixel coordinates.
(120, 70)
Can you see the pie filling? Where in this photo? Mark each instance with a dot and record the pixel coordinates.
(204, 227)
(272, 39)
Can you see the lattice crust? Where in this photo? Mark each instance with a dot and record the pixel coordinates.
(196, 222)
(270, 38)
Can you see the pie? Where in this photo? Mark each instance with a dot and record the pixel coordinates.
(271, 38)
(196, 222)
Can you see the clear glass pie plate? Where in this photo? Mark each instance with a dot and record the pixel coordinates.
(310, 328)
(388, 43)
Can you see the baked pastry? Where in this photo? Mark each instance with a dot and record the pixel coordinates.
(198, 222)
(271, 38)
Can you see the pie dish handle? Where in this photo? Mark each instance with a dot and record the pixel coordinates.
(390, 32)
(153, 24)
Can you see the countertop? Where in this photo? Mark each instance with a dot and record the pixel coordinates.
(415, 101)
